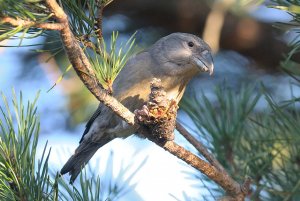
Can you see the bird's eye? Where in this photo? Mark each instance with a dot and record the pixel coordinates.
(190, 44)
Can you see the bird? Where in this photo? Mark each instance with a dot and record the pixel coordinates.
(174, 59)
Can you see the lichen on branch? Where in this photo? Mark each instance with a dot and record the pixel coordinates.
(159, 114)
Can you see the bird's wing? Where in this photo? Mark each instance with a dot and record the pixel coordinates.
(90, 122)
(131, 87)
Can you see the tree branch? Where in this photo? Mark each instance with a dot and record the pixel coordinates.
(200, 147)
(226, 182)
(29, 23)
(83, 69)
(98, 24)
(159, 117)
(244, 188)
(88, 43)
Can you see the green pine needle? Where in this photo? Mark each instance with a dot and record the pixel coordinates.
(24, 177)
(108, 65)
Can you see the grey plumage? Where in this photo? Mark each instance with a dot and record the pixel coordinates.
(174, 59)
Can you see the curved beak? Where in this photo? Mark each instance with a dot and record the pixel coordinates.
(204, 62)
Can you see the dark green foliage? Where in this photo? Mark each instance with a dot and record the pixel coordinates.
(25, 177)
(32, 10)
(107, 60)
(293, 8)
(248, 142)
(262, 144)
(21, 176)
(83, 15)
(225, 121)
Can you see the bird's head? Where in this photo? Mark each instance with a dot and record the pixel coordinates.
(183, 54)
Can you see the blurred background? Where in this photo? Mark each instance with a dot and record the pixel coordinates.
(250, 42)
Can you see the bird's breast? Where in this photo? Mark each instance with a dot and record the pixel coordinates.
(175, 94)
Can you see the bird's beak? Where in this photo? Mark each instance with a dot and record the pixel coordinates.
(204, 62)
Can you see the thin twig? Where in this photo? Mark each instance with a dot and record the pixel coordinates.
(88, 43)
(224, 180)
(98, 24)
(244, 188)
(28, 23)
(199, 146)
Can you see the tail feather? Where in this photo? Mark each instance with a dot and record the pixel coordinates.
(80, 158)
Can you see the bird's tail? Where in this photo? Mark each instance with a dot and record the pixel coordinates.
(80, 158)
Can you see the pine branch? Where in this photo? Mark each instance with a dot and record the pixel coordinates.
(98, 24)
(85, 40)
(83, 67)
(86, 73)
(200, 147)
(159, 117)
(28, 23)
(224, 180)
